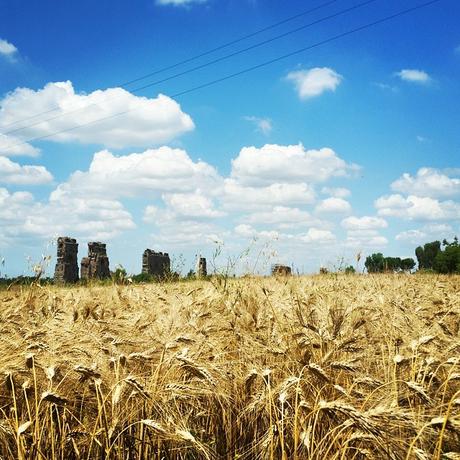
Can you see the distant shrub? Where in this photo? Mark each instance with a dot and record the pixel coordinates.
(24, 281)
(119, 276)
(350, 270)
(143, 278)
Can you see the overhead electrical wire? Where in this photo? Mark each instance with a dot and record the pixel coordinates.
(233, 42)
(206, 64)
(197, 56)
(246, 70)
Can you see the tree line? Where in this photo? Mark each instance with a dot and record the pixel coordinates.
(434, 256)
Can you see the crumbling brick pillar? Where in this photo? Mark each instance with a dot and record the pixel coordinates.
(157, 264)
(66, 270)
(201, 269)
(96, 265)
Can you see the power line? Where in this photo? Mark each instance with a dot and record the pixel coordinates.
(307, 48)
(233, 42)
(197, 56)
(209, 63)
(257, 45)
(246, 70)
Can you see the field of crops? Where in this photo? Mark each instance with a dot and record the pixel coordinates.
(320, 367)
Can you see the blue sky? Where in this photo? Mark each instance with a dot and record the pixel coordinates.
(352, 146)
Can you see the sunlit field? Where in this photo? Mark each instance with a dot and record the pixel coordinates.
(320, 367)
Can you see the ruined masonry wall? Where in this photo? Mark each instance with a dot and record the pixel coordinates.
(96, 265)
(156, 263)
(66, 270)
(201, 268)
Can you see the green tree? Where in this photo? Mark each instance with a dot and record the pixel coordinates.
(350, 270)
(426, 255)
(448, 260)
(407, 264)
(392, 264)
(375, 263)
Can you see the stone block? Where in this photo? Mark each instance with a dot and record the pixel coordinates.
(96, 265)
(66, 270)
(156, 264)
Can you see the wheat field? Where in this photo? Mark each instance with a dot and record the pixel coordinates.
(318, 367)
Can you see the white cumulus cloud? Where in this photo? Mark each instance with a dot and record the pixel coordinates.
(158, 171)
(412, 236)
(279, 215)
(191, 235)
(124, 119)
(314, 82)
(22, 217)
(334, 206)
(365, 239)
(14, 173)
(270, 194)
(414, 76)
(363, 223)
(417, 208)
(318, 236)
(13, 146)
(337, 192)
(182, 228)
(237, 196)
(427, 182)
(426, 233)
(13, 213)
(395, 202)
(247, 231)
(7, 48)
(291, 163)
(185, 189)
(192, 205)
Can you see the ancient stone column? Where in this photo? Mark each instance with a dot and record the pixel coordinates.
(66, 270)
(156, 264)
(201, 269)
(96, 265)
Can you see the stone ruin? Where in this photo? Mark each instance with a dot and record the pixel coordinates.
(282, 270)
(96, 265)
(66, 270)
(200, 269)
(157, 264)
